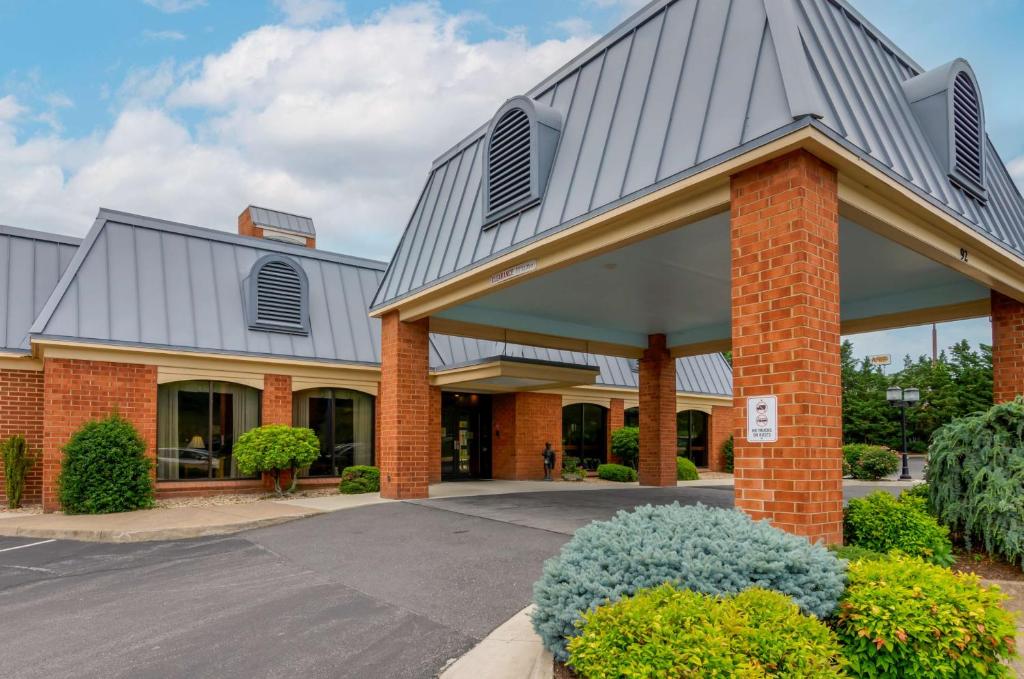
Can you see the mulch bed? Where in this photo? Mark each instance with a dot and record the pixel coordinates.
(563, 672)
(986, 566)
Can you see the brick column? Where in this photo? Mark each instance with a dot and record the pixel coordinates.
(435, 434)
(75, 392)
(277, 399)
(1007, 348)
(785, 338)
(616, 420)
(521, 424)
(657, 415)
(404, 404)
(720, 428)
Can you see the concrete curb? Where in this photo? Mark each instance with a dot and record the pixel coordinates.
(512, 651)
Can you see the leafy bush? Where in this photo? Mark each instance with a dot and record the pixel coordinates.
(729, 455)
(713, 551)
(976, 478)
(17, 462)
(105, 469)
(678, 633)
(626, 445)
(902, 617)
(883, 523)
(921, 491)
(869, 463)
(686, 470)
(855, 553)
(274, 448)
(572, 470)
(616, 472)
(359, 479)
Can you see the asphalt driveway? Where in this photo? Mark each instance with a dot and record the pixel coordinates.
(388, 590)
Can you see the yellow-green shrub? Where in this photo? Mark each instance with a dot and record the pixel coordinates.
(883, 523)
(668, 632)
(686, 470)
(902, 617)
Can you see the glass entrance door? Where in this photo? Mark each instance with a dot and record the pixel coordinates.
(465, 436)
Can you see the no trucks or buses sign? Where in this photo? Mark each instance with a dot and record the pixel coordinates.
(762, 419)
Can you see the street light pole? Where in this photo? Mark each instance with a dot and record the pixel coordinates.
(903, 399)
(905, 475)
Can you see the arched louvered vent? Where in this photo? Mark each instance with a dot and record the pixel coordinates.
(968, 147)
(278, 297)
(508, 161)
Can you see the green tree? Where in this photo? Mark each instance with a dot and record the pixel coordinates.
(275, 448)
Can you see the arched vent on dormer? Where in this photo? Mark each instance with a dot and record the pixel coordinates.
(968, 142)
(278, 296)
(521, 144)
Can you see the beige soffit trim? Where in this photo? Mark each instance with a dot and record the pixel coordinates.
(867, 196)
(183, 360)
(699, 348)
(446, 326)
(328, 382)
(552, 374)
(19, 362)
(166, 375)
(951, 312)
(703, 402)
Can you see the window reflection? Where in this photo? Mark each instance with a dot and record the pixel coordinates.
(692, 436)
(343, 420)
(584, 433)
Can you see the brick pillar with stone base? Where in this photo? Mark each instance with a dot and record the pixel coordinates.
(657, 415)
(404, 402)
(785, 338)
(1007, 348)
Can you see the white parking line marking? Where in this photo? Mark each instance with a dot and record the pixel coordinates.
(31, 544)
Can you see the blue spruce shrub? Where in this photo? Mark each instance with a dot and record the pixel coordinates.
(711, 551)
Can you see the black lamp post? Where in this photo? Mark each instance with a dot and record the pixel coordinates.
(903, 399)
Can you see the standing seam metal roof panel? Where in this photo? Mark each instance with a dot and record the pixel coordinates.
(682, 85)
(284, 221)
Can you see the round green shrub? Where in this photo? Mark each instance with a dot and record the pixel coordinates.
(883, 523)
(869, 463)
(616, 472)
(626, 445)
(105, 469)
(713, 551)
(686, 470)
(976, 478)
(667, 632)
(359, 479)
(274, 448)
(902, 617)
(729, 454)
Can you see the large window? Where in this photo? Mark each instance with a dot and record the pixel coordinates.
(343, 421)
(692, 436)
(584, 433)
(197, 426)
(631, 417)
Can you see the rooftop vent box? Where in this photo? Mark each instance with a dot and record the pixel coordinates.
(274, 225)
(947, 104)
(277, 296)
(521, 144)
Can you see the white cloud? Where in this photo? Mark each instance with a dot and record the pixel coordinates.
(10, 108)
(163, 35)
(337, 123)
(310, 12)
(175, 6)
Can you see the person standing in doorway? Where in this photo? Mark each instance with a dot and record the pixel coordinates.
(549, 461)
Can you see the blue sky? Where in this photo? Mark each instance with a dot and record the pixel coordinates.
(190, 109)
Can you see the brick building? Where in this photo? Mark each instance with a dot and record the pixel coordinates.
(197, 335)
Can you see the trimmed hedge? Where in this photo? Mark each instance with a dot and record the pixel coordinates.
(883, 523)
(667, 632)
(626, 445)
(869, 463)
(902, 617)
(713, 551)
(275, 448)
(686, 470)
(359, 479)
(976, 478)
(616, 472)
(105, 469)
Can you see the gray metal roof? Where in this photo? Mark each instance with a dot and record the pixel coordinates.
(146, 282)
(32, 262)
(681, 86)
(283, 221)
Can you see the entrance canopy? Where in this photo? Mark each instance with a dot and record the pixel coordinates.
(508, 374)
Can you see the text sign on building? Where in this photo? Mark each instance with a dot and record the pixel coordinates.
(517, 270)
(762, 419)
(880, 359)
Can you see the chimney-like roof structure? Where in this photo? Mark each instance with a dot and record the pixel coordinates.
(281, 221)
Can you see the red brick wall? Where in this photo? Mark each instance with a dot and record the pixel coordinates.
(720, 428)
(435, 434)
(657, 465)
(521, 424)
(404, 404)
(21, 413)
(76, 391)
(1007, 348)
(785, 339)
(616, 420)
(277, 400)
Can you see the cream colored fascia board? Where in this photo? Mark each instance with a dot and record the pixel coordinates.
(183, 361)
(700, 348)
(166, 375)
(20, 362)
(499, 368)
(336, 382)
(951, 312)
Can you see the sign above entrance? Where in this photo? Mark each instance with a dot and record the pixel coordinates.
(513, 272)
(762, 419)
(880, 359)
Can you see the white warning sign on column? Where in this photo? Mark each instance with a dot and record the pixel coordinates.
(762, 419)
